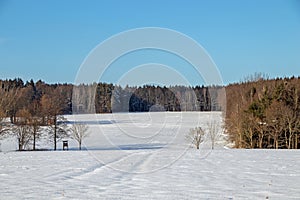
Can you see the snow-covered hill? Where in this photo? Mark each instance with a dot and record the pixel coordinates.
(146, 156)
(132, 130)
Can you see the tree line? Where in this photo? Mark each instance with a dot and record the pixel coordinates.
(260, 113)
(263, 113)
(45, 99)
(108, 98)
(34, 108)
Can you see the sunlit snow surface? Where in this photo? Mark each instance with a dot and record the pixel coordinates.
(146, 156)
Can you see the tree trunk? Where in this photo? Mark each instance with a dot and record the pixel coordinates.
(260, 140)
(55, 127)
(286, 140)
(34, 137)
(269, 142)
(290, 135)
(239, 140)
(251, 140)
(296, 141)
(290, 141)
(79, 145)
(20, 144)
(276, 143)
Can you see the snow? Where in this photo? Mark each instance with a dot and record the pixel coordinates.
(145, 155)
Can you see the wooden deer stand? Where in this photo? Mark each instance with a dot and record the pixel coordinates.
(65, 145)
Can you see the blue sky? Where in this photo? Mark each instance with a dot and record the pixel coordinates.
(49, 40)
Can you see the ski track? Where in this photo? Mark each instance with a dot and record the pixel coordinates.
(99, 168)
(84, 172)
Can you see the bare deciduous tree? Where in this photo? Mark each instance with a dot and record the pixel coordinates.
(196, 136)
(214, 130)
(275, 121)
(9, 102)
(3, 127)
(58, 130)
(35, 124)
(52, 109)
(23, 136)
(292, 126)
(22, 129)
(79, 132)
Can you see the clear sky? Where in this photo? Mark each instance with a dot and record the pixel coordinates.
(49, 39)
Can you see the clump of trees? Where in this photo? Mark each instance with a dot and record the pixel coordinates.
(212, 132)
(264, 113)
(31, 107)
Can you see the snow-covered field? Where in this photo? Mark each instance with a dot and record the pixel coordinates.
(146, 156)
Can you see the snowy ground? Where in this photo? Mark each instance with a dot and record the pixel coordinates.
(145, 155)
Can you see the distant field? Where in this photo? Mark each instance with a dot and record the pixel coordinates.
(130, 130)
